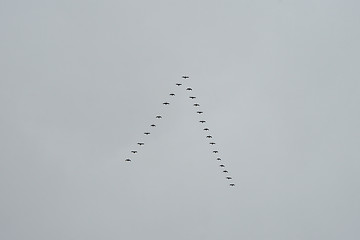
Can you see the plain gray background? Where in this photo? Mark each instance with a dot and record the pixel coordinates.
(80, 81)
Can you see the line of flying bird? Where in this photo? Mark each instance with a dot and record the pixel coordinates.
(204, 129)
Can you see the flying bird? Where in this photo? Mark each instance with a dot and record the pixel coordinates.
(215, 151)
(146, 133)
(219, 159)
(212, 143)
(192, 97)
(128, 160)
(232, 184)
(140, 143)
(178, 84)
(153, 125)
(172, 94)
(202, 121)
(206, 129)
(166, 103)
(189, 89)
(225, 171)
(229, 177)
(209, 136)
(158, 116)
(185, 77)
(221, 165)
(196, 104)
(199, 112)
(134, 151)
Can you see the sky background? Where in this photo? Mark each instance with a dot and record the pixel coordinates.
(278, 81)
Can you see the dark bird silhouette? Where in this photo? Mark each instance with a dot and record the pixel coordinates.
(212, 143)
(146, 133)
(140, 143)
(229, 177)
(215, 151)
(158, 116)
(206, 129)
(189, 89)
(225, 171)
(202, 121)
(128, 160)
(134, 151)
(172, 94)
(232, 185)
(185, 77)
(166, 103)
(199, 112)
(178, 84)
(192, 97)
(219, 159)
(221, 165)
(196, 104)
(209, 136)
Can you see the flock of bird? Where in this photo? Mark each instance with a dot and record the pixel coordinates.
(205, 129)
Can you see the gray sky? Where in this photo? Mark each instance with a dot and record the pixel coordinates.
(278, 81)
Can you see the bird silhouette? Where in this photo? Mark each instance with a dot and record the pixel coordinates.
(185, 77)
(225, 171)
(199, 112)
(189, 89)
(209, 136)
(172, 94)
(166, 103)
(221, 165)
(219, 159)
(128, 160)
(229, 177)
(232, 184)
(192, 97)
(212, 143)
(206, 129)
(134, 151)
(178, 84)
(196, 104)
(202, 121)
(215, 151)
(158, 116)
(140, 143)
(146, 133)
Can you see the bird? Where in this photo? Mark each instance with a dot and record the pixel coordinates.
(192, 97)
(189, 89)
(232, 184)
(146, 133)
(166, 103)
(215, 151)
(134, 151)
(206, 129)
(199, 112)
(209, 136)
(172, 94)
(158, 116)
(153, 125)
(221, 165)
(128, 160)
(219, 159)
(212, 143)
(229, 178)
(185, 77)
(140, 143)
(225, 171)
(196, 104)
(178, 84)
(202, 121)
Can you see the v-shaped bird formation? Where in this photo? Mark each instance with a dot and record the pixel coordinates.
(202, 123)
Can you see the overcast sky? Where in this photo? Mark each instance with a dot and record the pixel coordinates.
(81, 81)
